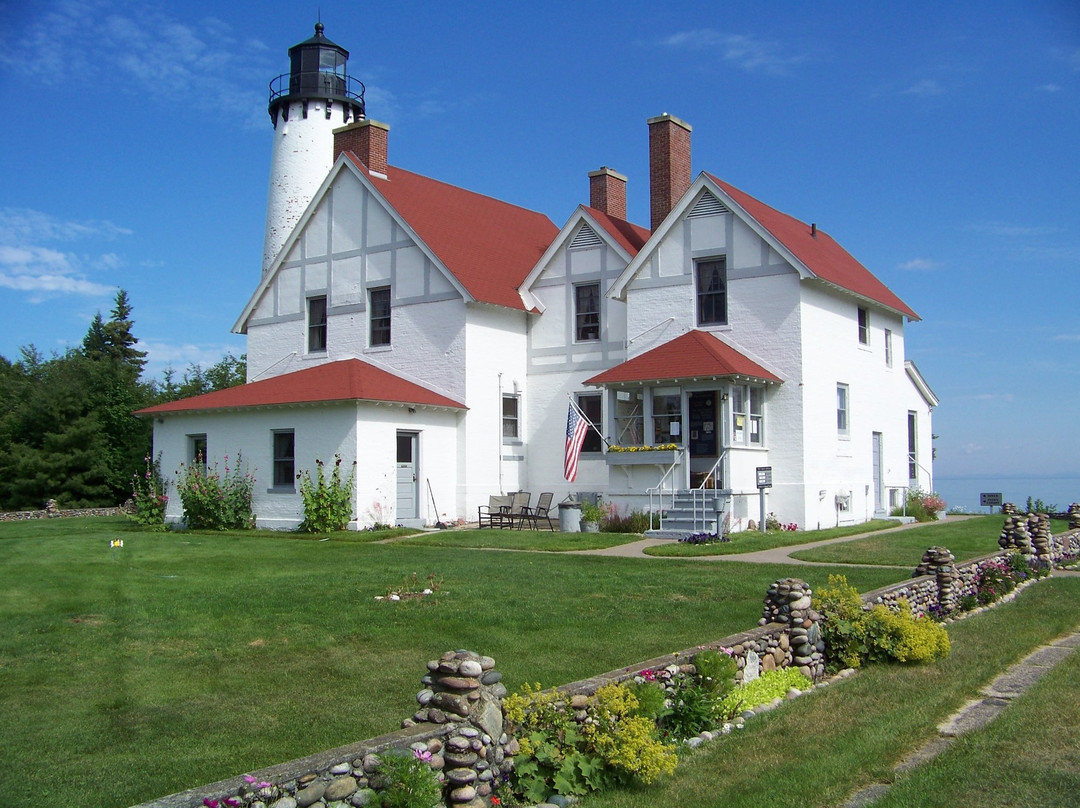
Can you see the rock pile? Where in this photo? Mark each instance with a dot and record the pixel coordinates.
(932, 559)
(1074, 516)
(1009, 509)
(1014, 534)
(1043, 546)
(789, 602)
(463, 689)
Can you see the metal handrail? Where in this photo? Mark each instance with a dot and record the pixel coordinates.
(658, 491)
(317, 84)
(697, 495)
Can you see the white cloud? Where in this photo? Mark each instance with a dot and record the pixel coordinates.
(920, 264)
(162, 355)
(24, 224)
(1049, 88)
(44, 282)
(141, 49)
(746, 52)
(1067, 338)
(989, 397)
(970, 448)
(926, 87)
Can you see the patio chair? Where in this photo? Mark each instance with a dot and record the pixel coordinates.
(542, 512)
(518, 511)
(492, 514)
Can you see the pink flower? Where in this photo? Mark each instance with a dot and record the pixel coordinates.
(422, 754)
(248, 778)
(209, 803)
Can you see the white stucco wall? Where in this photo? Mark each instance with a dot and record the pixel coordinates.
(363, 432)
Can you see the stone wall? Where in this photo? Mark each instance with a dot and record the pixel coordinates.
(51, 511)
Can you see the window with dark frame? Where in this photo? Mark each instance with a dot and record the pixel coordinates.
(864, 326)
(284, 459)
(197, 450)
(589, 404)
(511, 428)
(711, 279)
(587, 312)
(380, 316)
(316, 324)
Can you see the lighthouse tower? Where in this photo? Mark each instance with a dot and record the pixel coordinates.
(306, 105)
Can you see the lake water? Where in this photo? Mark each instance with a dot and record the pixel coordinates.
(1053, 489)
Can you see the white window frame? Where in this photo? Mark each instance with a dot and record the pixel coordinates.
(511, 420)
(747, 415)
(863, 317)
(669, 433)
(888, 349)
(629, 417)
(843, 410)
(195, 443)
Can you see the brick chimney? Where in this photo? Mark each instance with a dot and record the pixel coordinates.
(367, 139)
(669, 164)
(607, 192)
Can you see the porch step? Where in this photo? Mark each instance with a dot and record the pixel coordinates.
(681, 517)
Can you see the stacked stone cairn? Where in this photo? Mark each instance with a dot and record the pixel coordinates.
(1009, 509)
(1043, 546)
(463, 689)
(1074, 516)
(940, 563)
(789, 602)
(1014, 534)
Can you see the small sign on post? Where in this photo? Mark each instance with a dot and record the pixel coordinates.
(990, 500)
(764, 480)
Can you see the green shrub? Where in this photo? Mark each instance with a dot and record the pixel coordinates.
(716, 671)
(693, 709)
(900, 636)
(923, 507)
(214, 501)
(767, 687)
(842, 615)
(148, 493)
(633, 522)
(652, 700)
(404, 781)
(327, 503)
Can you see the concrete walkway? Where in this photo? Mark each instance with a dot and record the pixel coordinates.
(776, 555)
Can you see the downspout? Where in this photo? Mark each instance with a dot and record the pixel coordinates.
(498, 443)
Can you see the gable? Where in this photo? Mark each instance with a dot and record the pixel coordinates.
(348, 242)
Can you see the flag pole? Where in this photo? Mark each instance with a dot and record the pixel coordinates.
(585, 418)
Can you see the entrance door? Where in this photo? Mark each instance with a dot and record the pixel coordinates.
(407, 476)
(703, 435)
(879, 488)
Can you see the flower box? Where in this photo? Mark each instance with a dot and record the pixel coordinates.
(654, 457)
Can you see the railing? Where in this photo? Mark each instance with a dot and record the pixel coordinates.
(699, 495)
(659, 492)
(317, 84)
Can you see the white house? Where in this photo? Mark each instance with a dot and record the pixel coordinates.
(435, 335)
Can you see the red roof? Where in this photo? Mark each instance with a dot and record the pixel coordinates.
(694, 354)
(823, 256)
(629, 236)
(489, 245)
(345, 380)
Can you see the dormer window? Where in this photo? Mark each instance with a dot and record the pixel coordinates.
(711, 286)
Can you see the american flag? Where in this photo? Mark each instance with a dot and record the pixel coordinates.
(576, 427)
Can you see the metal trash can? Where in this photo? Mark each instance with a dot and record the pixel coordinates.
(570, 517)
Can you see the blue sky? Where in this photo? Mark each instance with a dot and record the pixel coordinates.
(939, 143)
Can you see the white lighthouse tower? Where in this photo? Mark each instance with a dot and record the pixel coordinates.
(306, 105)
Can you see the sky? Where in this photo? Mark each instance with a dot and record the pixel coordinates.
(938, 142)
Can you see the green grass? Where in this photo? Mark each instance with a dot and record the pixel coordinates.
(752, 541)
(183, 658)
(542, 540)
(818, 749)
(1029, 756)
(966, 538)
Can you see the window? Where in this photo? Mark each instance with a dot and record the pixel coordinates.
(912, 447)
(316, 324)
(864, 326)
(197, 450)
(629, 418)
(589, 404)
(380, 316)
(711, 278)
(511, 421)
(888, 348)
(843, 405)
(284, 459)
(667, 417)
(587, 312)
(747, 415)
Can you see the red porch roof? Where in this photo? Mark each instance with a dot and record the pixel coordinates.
(345, 380)
(820, 253)
(695, 354)
(489, 245)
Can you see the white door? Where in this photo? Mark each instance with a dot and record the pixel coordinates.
(879, 488)
(406, 476)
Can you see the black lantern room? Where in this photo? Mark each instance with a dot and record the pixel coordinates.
(317, 73)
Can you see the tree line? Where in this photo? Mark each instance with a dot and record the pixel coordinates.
(66, 426)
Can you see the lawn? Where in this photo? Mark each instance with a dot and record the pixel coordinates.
(820, 748)
(543, 540)
(967, 537)
(182, 658)
(752, 541)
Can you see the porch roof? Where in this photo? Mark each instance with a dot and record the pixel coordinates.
(344, 380)
(694, 355)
